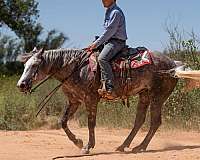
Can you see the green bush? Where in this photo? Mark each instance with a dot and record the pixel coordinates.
(17, 111)
(111, 114)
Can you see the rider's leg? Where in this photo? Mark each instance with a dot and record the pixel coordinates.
(110, 50)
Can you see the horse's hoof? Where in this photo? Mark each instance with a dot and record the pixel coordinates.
(85, 151)
(79, 143)
(138, 149)
(120, 149)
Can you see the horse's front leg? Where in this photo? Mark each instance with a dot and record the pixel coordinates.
(69, 112)
(91, 126)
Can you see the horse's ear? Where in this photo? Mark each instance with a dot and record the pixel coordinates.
(35, 49)
(39, 53)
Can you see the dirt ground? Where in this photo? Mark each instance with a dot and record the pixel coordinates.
(53, 144)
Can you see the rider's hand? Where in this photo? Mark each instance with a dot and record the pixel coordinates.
(91, 47)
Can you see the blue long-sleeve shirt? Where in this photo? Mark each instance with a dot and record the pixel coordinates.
(114, 25)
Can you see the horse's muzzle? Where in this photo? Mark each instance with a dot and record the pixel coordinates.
(24, 86)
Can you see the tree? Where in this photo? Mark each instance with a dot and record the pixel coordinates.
(21, 17)
(183, 46)
(10, 48)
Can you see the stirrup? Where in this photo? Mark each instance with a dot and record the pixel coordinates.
(102, 91)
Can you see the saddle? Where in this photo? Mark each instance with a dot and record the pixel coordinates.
(127, 58)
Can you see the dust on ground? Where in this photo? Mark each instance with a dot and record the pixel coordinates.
(53, 144)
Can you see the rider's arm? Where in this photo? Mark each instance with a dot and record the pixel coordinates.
(110, 30)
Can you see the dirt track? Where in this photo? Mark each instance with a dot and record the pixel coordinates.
(53, 144)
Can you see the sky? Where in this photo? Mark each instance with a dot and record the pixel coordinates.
(146, 20)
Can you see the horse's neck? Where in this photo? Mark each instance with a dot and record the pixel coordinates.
(61, 62)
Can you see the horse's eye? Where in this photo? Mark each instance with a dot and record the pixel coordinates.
(34, 65)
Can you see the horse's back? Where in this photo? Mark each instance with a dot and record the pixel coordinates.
(162, 61)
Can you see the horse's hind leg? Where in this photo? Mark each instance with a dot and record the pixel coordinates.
(155, 110)
(69, 112)
(158, 96)
(140, 119)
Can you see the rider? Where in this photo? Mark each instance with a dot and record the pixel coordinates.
(114, 39)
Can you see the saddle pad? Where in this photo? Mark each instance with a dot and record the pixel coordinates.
(141, 59)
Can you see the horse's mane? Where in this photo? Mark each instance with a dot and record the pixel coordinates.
(56, 56)
(60, 56)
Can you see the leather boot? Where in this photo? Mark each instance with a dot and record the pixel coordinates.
(110, 94)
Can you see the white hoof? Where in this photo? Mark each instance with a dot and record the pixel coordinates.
(85, 151)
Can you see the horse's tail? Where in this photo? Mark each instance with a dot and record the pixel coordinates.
(191, 77)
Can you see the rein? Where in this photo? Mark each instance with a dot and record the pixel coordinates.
(48, 97)
(39, 84)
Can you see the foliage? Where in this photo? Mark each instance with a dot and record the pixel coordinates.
(9, 48)
(182, 108)
(183, 47)
(21, 16)
(11, 68)
(17, 111)
(111, 114)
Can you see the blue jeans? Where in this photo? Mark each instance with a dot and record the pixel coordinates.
(109, 51)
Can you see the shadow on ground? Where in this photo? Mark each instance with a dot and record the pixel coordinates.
(171, 148)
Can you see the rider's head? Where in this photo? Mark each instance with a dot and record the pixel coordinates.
(108, 3)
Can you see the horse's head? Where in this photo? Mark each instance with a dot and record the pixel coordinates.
(32, 73)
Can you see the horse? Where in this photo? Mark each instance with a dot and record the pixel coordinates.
(152, 86)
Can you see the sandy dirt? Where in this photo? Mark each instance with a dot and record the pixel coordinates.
(53, 144)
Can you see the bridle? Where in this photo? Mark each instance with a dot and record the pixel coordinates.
(34, 77)
(48, 97)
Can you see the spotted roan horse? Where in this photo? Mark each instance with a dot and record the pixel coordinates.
(152, 87)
